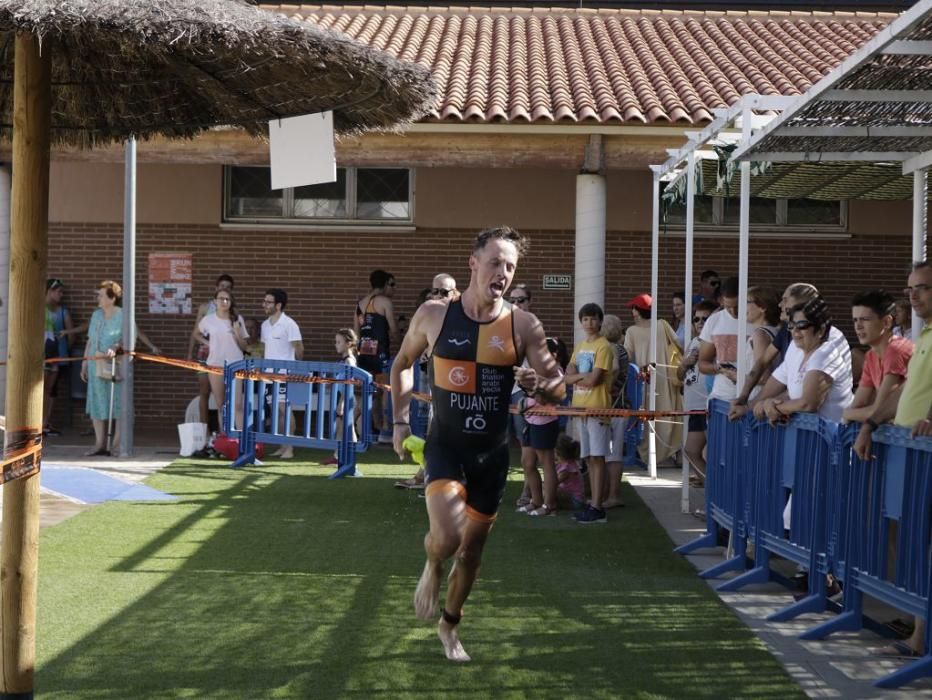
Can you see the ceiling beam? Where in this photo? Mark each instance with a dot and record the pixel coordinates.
(855, 131)
(841, 95)
(908, 47)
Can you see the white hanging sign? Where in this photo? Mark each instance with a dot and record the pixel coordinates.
(301, 150)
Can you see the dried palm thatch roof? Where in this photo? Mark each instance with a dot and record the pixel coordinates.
(176, 67)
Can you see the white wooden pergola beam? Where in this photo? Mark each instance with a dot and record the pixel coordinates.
(922, 161)
(876, 96)
(858, 131)
(830, 156)
(909, 47)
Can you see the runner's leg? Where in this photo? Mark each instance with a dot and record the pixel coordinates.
(446, 509)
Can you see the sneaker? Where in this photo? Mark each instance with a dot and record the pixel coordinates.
(591, 515)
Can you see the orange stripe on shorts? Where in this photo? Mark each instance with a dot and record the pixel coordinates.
(446, 485)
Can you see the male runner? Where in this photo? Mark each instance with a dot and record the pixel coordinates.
(476, 345)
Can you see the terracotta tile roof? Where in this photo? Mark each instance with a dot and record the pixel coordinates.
(601, 66)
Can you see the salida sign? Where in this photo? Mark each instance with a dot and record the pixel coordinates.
(558, 282)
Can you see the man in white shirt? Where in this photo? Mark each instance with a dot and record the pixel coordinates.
(281, 339)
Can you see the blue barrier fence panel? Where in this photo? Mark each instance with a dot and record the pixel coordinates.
(268, 407)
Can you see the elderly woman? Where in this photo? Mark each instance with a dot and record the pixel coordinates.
(815, 375)
(104, 339)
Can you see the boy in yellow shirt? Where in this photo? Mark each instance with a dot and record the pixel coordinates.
(590, 373)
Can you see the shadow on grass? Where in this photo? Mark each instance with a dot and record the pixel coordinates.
(277, 582)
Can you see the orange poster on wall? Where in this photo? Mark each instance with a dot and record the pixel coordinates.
(170, 278)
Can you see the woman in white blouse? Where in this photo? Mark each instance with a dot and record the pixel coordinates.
(815, 376)
(224, 332)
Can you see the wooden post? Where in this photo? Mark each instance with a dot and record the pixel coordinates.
(26, 308)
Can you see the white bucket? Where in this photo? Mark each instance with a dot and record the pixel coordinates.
(193, 437)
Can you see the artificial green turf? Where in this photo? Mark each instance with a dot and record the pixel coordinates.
(276, 582)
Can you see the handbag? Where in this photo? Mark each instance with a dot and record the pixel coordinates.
(107, 369)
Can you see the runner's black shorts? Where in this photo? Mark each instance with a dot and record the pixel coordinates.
(482, 473)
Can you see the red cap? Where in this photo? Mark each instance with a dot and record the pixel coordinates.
(642, 301)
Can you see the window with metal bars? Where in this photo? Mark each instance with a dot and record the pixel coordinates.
(375, 196)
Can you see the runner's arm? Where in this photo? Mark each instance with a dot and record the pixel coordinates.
(541, 376)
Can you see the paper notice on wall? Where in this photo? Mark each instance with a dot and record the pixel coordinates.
(170, 281)
(301, 150)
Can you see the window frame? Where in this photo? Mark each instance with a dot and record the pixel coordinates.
(349, 221)
(779, 227)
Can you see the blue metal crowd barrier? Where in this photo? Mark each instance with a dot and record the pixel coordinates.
(798, 479)
(728, 478)
(317, 401)
(844, 512)
(888, 501)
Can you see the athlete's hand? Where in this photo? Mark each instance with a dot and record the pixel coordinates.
(400, 432)
(526, 378)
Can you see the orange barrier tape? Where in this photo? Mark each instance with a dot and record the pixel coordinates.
(539, 410)
(172, 362)
(23, 456)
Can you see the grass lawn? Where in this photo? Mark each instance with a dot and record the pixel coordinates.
(275, 582)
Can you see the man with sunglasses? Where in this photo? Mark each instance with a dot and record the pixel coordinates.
(443, 287)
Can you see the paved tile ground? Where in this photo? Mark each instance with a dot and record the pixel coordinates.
(844, 666)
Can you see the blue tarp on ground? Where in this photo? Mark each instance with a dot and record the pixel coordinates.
(90, 486)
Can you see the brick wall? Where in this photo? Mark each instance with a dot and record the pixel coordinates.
(324, 273)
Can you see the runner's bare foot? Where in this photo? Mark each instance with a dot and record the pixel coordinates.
(428, 591)
(451, 643)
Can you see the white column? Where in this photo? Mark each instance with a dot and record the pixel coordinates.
(688, 318)
(744, 229)
(6, 182)
(127, 410)
(654, 274)
(590, 245)
(920, 198)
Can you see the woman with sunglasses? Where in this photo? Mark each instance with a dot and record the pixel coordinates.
(815, 376)
(696, 394)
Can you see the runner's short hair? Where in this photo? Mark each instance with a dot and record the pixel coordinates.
(502, 233)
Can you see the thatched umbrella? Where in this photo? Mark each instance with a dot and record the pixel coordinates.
(85, 72)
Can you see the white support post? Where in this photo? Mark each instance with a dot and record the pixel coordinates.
(688, 318)
(127, 423)
(744, 229)
(920, 199)
(651, 385)
(590, 244)
(6, 182)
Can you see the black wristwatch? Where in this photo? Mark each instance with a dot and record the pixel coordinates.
(872, 423)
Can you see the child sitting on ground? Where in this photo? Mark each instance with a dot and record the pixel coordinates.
(345, 342)
(571, 490)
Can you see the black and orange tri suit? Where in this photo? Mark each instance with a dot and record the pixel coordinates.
(471, 377)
